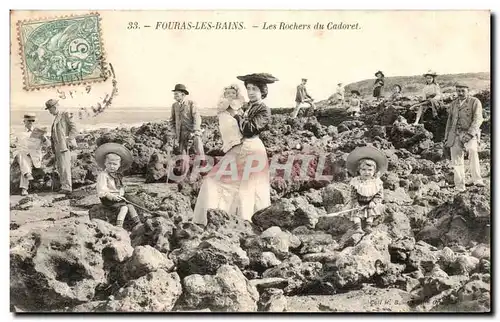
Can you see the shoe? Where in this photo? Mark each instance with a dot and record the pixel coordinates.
(24, 192)
(480, 184)
(461, 189)
(29, 176)
(65, 191)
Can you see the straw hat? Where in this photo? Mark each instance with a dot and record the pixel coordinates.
(366, 152)
(106, 148)
(430, 73)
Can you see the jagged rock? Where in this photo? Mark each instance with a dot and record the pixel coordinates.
(157, 291)
(320, 257)
(272, 300)
(144, 260)
(336, 226)
(288, 214)
(314, 242)
(299, 275)
(481, 251)
(422, 256)
(272, 282)
(400, 249)
(62, 264)
(357, 264)
(335, 195)
(391, 275)
(227, 291)
(159, 238)
(87, 202)
(208, 257)
(464, 265)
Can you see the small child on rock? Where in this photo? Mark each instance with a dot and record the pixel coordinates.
(354, 104)
(367, 191)
(114, 158)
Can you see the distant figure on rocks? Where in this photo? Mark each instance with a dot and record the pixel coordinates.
(379, 84)
(302, 97)
(396, 93)
(114, 158)
(28, 152)
(230, 103)
(63, 140)
(186, 121)
(354, 103)
(339, 93)
(431, 95)
(243, 191)
(465, 116)
(367, 164)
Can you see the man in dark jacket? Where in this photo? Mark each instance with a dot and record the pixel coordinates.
(302, 97)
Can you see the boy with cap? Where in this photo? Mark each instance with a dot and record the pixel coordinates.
(28, 151)
(63, 139)
(465, 116)
(186, 121)
(115, 158)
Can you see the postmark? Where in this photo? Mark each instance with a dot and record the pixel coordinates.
(61, 51)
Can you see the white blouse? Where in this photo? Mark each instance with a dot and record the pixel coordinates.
(430, 89)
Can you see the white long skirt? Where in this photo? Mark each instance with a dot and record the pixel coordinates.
(239, 184)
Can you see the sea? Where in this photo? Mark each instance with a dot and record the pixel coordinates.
(110, 118)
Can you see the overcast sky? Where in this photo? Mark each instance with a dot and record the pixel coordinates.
(150, 62)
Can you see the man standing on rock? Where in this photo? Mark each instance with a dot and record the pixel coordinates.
(302, 97)
(186, 121)
(465, 116)
(63, 140)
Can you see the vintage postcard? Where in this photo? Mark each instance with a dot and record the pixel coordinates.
(243, 161)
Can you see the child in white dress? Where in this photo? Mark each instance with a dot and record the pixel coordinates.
(367, 191)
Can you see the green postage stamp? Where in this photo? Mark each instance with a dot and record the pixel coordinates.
(61, 51)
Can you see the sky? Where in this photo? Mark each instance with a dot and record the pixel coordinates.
(149, 62)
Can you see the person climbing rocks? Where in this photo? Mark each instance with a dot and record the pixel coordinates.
(302, 97)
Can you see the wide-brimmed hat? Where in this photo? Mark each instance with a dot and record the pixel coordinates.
(30, 116)
(355, 92)
(51, 103)
(180, 88)
(262, 78)
(398, 86)
(366, 152)
(379, 72)
(461, 85)
(116, 148)
(430, 73)
(304, 79)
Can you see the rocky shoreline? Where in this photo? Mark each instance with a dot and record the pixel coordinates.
(430, 252)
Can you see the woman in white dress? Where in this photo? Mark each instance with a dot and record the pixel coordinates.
(239, 183)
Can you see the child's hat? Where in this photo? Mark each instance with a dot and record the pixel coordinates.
(107, 148)
(366, 152)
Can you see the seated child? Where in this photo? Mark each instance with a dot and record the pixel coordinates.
(354, 104)
(366, 164)
(114, 158)
(396, 93)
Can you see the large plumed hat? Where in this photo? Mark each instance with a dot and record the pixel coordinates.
(106, 148)
(366, 152)
(262, 78)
